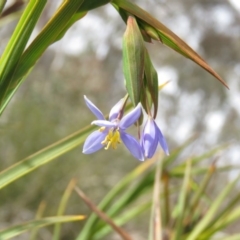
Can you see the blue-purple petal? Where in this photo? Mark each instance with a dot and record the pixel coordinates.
(104, 123)
(131, 117)
(93, 142)
(116, 109)
(162, 140)
(149, 139)
(94, 109)
(132, 145)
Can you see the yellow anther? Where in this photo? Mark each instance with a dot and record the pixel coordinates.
(101, 129)
(112, 139)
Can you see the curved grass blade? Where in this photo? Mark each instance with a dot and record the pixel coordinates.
(167, 36)
(21, 228)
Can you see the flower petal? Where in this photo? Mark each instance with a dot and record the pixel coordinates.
(104, 123)
(149, 140)
(162, 140)
(116, 109)
(94, 109)
(93, 142)
(131, 117)
(132, 145)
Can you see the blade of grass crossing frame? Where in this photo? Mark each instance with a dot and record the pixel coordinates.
(167, 36)
(21, 228)
(62, 207)
(182, 202)
(43, 156)
(212, 211)
(17, 44)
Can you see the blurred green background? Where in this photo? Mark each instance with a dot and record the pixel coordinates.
(87, 61)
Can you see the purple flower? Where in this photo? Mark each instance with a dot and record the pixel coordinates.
(112, 132)
(150, 138)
